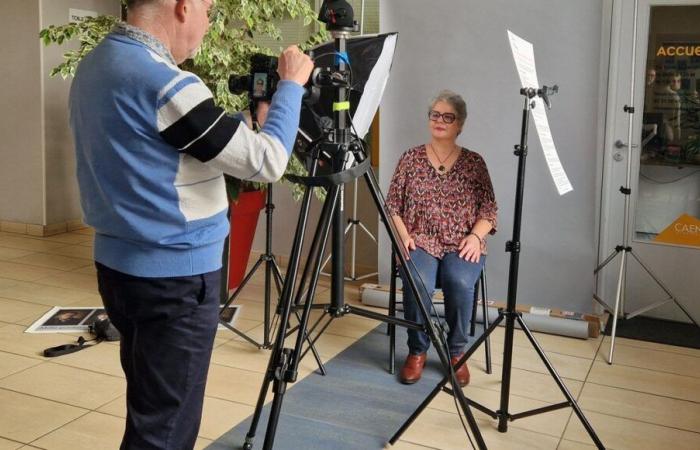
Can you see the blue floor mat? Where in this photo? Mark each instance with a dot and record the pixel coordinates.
(358, 405)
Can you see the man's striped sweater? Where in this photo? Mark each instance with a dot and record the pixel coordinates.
(151, 151)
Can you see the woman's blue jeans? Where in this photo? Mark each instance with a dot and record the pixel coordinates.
(457, 279)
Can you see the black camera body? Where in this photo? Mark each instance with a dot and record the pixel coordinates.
(261, 83)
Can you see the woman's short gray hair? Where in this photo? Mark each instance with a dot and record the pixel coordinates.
(455, 101)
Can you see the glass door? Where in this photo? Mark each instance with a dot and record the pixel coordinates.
(664, 154)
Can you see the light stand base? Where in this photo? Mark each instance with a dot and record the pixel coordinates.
(617, 311)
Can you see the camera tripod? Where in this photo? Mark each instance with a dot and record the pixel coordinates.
(348, 162)
(510, 315)
(272, 274)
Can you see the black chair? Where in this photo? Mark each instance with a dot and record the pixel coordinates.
(479, 287)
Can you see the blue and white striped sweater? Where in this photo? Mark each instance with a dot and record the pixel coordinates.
(151, 151)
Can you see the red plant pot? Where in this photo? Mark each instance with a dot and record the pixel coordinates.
(244, 220)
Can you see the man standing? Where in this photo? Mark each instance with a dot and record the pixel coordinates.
(151, 151)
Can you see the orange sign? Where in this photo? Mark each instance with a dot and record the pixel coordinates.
(684, 231)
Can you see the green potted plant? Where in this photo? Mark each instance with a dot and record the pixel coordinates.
(226, 50)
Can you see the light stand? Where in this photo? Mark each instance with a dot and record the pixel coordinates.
(353, 223)
(272, 272)
(511, 315)
(348, 162)
(625, 248)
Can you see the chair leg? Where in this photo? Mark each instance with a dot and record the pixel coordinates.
(485, 310)
(391, 329)
(472, 325)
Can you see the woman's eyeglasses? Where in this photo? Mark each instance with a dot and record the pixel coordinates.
(446, 117)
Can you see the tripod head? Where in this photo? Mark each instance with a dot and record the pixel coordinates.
(544, 93)
(338, 15)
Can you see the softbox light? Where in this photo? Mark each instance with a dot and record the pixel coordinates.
(370, 58)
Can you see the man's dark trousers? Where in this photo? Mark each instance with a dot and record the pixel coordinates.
(167, 328)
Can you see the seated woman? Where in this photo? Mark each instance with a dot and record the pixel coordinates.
(442, 203)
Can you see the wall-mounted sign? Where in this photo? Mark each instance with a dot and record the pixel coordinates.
(683, 231)
(78, 15)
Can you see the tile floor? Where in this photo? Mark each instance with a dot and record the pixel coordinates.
(649, 399)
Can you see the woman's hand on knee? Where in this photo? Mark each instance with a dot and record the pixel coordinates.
(408, 245)
(470, 248)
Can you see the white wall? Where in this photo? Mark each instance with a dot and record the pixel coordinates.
(37, 174)
(462, 45)
(21, 159)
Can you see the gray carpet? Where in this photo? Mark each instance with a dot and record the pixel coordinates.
(357, 406)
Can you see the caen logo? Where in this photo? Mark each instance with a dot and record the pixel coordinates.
(683, 231)
(678, 50)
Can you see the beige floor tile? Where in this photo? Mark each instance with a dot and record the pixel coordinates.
(567, 366)
(524, 383)
(658, 360)
(75, 251)
(92, 431)
(72, 280)
(116, 408)
(228, 383)
(443, 430)
(11, 364)
(25, 418)
(582, 348)
(202, 443)
(6, 444)
(619, 434)
(42, 294)
(27, 243)
(88, 270)
(69, 238)
(15, 310)
(351, 326)
(65, 384)
(89, 231)
(50, 261)
(405, 445)
(7, 253)
(219, 416)
(13, 339)
(552, 423)
(244, 356)
(101, 358)
(24, 272)
(571, 445)
(642, 407)
(651, 345)
(651, 382)
(6, 282)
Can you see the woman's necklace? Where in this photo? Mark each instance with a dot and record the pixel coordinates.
(441, 169)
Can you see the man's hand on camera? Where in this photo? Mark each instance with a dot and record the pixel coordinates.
(294, 65)
(261, 112)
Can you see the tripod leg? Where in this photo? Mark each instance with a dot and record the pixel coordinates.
(485, 311)
(391, 328)
(616, 311)
(662, 286)
(560, 383)
(288, 359)
(278, 356)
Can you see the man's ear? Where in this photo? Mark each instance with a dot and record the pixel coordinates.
(182, 9)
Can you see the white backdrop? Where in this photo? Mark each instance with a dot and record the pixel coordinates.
(462, 45)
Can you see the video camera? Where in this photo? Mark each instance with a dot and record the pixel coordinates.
(261, 82)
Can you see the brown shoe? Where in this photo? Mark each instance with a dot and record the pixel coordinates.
(462, 373)
(412, 368)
